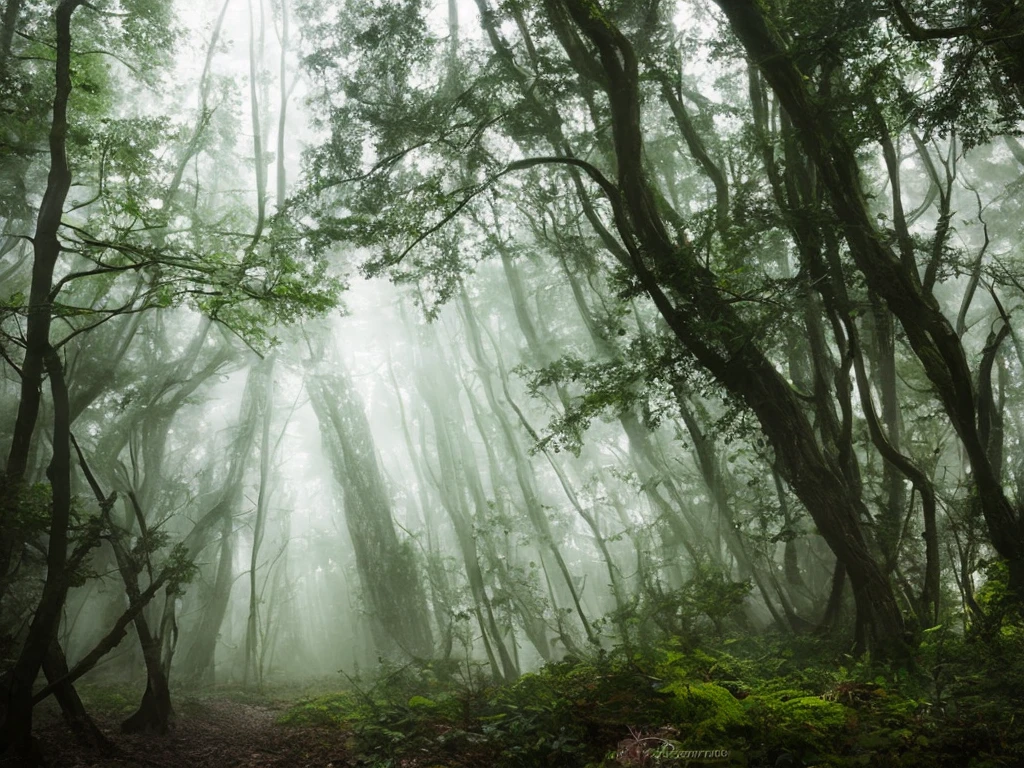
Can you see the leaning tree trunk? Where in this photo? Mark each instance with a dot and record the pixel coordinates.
(458, 474)
(386, 566)
(55, 667)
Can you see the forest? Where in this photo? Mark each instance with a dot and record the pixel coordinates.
(452, 383)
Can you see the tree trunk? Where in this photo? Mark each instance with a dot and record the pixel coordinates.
(155, 712)
(259, 526)
(458, 473)
(198, 667)
(16, 734)
(55, 667)
(387, 567)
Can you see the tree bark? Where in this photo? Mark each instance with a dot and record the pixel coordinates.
(259, 526)
(55, 667)
(16, 733)
(10, 24)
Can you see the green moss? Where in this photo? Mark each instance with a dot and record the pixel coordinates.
(706, 708)
(422, 703)
(332, 709)
(110, 700)
(801, 724)
(814, 713)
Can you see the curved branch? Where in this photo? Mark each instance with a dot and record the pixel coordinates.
(916, 32)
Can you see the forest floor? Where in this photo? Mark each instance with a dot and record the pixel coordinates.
(748, 703)
(208, 732)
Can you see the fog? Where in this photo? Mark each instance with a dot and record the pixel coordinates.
(483, 336)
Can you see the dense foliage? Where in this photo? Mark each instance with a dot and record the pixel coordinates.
(753, 702)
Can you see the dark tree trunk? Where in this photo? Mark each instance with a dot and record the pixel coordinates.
(47, 249)
(55, 667)
(16, 734)
(835, 600)
(155, 712)
(10, 23)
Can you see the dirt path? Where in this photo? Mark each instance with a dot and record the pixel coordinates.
(214, 733)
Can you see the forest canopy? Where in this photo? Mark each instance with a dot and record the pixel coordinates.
(651, 367)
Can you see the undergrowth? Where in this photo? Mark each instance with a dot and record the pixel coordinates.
(753, 702)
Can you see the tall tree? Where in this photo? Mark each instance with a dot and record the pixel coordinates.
(391, 588)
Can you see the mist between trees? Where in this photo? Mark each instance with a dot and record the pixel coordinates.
(500, 332)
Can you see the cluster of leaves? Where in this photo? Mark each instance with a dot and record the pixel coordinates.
(182, 569)
(641, 379)
(29, 510)
(695, 612)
